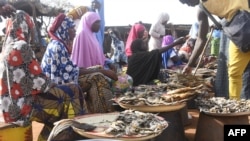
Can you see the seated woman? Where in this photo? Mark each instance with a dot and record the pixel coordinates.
(26, 94)
(57, 65)
(144, 66)
(86, 51)
(186, 50)
(170, 58)
(94, 6)
(137, 31)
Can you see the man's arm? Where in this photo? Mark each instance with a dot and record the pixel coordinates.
(201, 39)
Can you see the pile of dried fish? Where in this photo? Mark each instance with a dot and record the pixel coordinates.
(183, 80)
(131, 123)
(127, 123)
(178, 80)
(223, 105)
(154, 98)
(157, 88)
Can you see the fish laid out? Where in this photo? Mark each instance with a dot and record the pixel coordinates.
(125, 124)
(223, 105)
(130, 122)
(154, 98)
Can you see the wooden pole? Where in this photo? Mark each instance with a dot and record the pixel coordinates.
(204, 49)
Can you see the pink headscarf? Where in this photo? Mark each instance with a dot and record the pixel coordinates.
(86, 51)
(133, 34)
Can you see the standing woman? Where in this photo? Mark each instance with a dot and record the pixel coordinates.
(157, 31)
(26, 94)
(137, 31)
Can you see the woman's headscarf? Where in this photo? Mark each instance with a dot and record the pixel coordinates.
(163, 17)
(133, 34)
(24, 28)
(86, 50)
(59, 29)
(167, 40)
(77, 12)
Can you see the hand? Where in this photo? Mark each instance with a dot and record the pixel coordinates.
(187, 70)
(112, 67)
(216, 27)
(109, 73)
(180, 40)
(145, 35)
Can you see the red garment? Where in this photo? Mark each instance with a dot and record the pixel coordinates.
(186, 48)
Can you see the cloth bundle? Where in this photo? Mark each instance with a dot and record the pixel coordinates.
(237, 29)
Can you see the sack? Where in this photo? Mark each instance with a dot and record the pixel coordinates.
(238, 30)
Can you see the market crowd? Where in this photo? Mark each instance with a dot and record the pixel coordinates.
(75, 77)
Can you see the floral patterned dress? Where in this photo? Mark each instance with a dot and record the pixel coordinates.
(20, 74)
(25, 92)
(56, 63)
(118, 46)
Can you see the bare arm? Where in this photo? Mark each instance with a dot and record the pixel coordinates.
(178, 41)
(201, 39)
(109, 73)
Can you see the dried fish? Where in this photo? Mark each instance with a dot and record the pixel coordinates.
(223, 105)
(130, 122)
(66, 123)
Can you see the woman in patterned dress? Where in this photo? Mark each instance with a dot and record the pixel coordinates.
(26, 94)
(57, 65)
(118, 56)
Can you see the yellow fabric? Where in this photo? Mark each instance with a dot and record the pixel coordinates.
(237, 64)
(225, 8)
(11, 133)
(77, 12)
(60, 102)
(70, 111)
(237, 59)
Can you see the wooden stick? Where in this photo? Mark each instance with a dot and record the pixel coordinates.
(204, 49)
